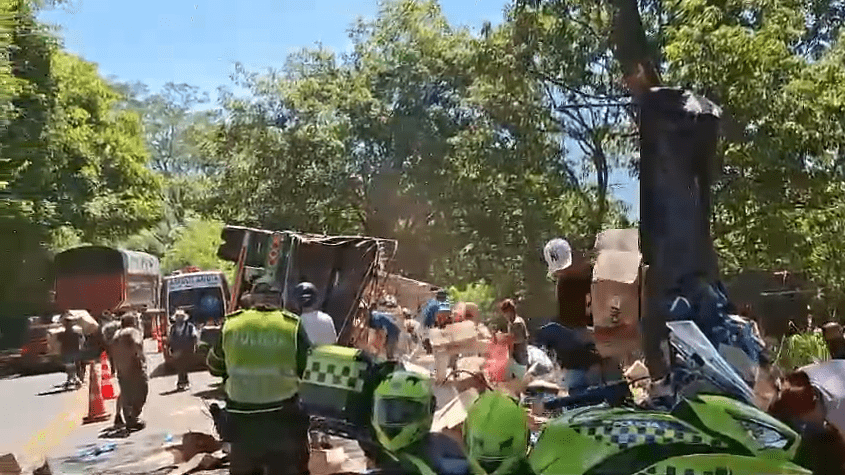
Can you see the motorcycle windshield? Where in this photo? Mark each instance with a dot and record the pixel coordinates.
(702, 358)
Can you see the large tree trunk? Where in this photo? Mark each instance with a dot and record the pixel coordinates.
(678, 135)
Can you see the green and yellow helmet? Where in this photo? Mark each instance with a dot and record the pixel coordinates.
(403, 410)
(496, 433)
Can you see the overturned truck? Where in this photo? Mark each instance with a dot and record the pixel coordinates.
(347, 271)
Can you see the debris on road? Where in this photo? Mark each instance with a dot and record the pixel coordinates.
(201, 461)
(9, 465)
(194, 443)
(326, 461)
(95, 451)
(43, 469)
(449, 419)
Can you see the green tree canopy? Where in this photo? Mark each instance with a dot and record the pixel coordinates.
(776, 69)
(424, 133)
(196, 245)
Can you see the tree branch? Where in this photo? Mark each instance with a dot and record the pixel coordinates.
(631, 48)
(592, 106)
(563, 85)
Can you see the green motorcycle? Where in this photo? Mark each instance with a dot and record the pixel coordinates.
(703, 434)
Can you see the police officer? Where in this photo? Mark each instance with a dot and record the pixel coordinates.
(262, 354)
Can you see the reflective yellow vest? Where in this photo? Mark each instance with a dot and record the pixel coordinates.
(260, 349)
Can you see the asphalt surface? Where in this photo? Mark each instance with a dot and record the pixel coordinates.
(43, 422)
(38, 414)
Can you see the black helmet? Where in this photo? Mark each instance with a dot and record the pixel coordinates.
(305, 294)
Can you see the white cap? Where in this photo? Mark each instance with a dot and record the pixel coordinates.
(558, 255)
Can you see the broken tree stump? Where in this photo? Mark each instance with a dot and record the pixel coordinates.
(678, 137)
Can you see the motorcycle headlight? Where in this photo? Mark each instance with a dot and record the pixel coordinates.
(764, 435)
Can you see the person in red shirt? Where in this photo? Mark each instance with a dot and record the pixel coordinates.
(517, 338)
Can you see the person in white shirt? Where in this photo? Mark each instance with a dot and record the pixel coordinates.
(319, 326)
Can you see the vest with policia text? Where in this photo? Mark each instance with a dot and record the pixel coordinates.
(260, 348)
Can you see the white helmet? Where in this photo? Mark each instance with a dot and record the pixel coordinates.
(558, 255)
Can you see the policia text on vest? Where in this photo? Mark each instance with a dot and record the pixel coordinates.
(262, 354)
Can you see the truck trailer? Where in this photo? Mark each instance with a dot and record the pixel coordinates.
(347, 271)
(99, 279)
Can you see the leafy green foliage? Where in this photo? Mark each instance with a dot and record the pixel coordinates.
(26, 91)
(196, 245)
(479, 293)
(776, 203)
(172, 127)
(801, 350)
(72, 169)
(100, 183)
(774, 66)
(471, 150)
(423, 133)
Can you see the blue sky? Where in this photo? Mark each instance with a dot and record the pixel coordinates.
(198, 41)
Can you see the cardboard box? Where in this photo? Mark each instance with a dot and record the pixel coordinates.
(615, 293)
(454, 413)
(455, 334)
(326, 461)
(448, 343)
(9, 465)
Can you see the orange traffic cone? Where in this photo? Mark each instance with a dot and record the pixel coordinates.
(157, 336)
(108, 387)
(96, 405)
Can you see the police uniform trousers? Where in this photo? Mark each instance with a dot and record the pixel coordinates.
(272, 443)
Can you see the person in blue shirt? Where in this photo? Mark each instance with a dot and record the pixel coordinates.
(384, 321)
(432, 307)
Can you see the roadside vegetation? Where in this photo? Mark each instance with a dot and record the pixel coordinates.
(472, 147)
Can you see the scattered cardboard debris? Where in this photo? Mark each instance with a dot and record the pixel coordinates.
(194, 443)
(426, 361)
(326, 461)
(449, 419)
(456, 340)
(455, 411)
(453, 334)
(543, 386)
(416, 368)
(9, 465)
(201, 461)
(637, 371)
(472, 364)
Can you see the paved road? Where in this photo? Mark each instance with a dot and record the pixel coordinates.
(168, 415)
(50, 426)
(41, 420)
(37, 414)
